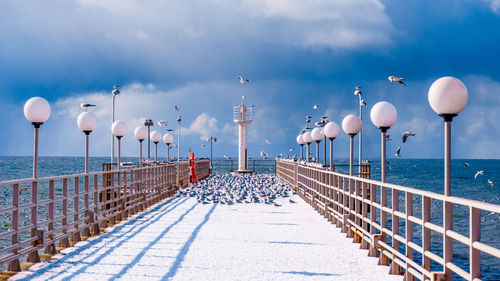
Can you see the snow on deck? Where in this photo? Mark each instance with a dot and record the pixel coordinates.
(181, 239)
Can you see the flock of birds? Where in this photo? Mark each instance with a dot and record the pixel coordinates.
(230, 189)
(479, 173)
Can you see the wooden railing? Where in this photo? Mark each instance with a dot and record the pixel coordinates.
(398, 228)
(182, 176)
(53, 213)
(202, 169)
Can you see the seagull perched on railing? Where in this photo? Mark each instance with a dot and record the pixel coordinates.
(243, 80)
(397, 79)
(86, 106)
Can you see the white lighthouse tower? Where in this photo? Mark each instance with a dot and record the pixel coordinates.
(242, 116)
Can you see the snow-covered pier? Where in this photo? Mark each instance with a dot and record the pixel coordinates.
(183, 239)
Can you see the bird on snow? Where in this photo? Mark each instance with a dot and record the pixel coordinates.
(398, 152)
(242, 80)
(491, 183)
(478, 173)
(397, 79)
(86, 106)
(316, 106)
(406, 135)
(268, 141)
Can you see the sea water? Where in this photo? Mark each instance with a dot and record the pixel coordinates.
(424, 174)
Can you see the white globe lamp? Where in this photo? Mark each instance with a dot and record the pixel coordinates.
(140, 133)
(301, 142)
(119, 129)
(308, 140)
(156, 138)
(168, 139)
(351, 124)
(317, 135)
(86, 122)
(383, 115)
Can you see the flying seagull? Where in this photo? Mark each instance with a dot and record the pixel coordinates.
(491, 183)
(176, 108)
(86, 106)
(389, 165)
(466, 164)
(202, 145)
(290, 149)
(316, 106)
(268, 141)
(478, 173)
(406, 135)
(387, 138)
(398, 152)
(243, 80)
(397, 79)
(162, 123)
(263, 153)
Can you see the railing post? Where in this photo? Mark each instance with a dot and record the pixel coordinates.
(33, 257)
(475, 236)
(408, 231)
(51, 248)
(448, 241)
(14, 265)
(426, 232)
(64, 242)
(395, 268)
(76, 235)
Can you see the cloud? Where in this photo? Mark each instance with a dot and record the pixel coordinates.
(203, 125)
(494, 5)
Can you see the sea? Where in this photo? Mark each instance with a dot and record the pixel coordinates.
(424, 174)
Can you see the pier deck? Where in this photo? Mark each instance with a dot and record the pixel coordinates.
(180, 239)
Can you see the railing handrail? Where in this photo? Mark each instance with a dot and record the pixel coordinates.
(364, 209)
(433, 195)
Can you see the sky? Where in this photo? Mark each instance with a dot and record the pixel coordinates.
(296, 53)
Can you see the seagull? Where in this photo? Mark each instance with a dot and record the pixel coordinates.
(491, 183)
(169, 130)
(397, 79)
(263, 153)
(162, 123)
(227, 157)
(173, 146)
(202, 145)
(406, 135)
(176, 108)
(398, 152)
(478, 173)
(387, 138)
(316, 106)
(389, 165)
(362, 103)
(291, 201)
(268, 141)
(242, 80)
(86, 106)
(466, 164)
(290, 149)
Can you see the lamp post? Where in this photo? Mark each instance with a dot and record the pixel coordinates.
(179, 119)
(308, 140)
(331, 131)
(119, 129)
(115, 92)
(352, 126)
(362, 104)
(168, 139)
(140, 134)
(448, 97)
(211, 140)
(148, 123)
(317, 135)
(301, 142)
(37, 111)
(87, 122)
(383, 115)
(156, 138)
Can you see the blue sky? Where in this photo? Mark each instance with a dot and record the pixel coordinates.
(297, 54)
